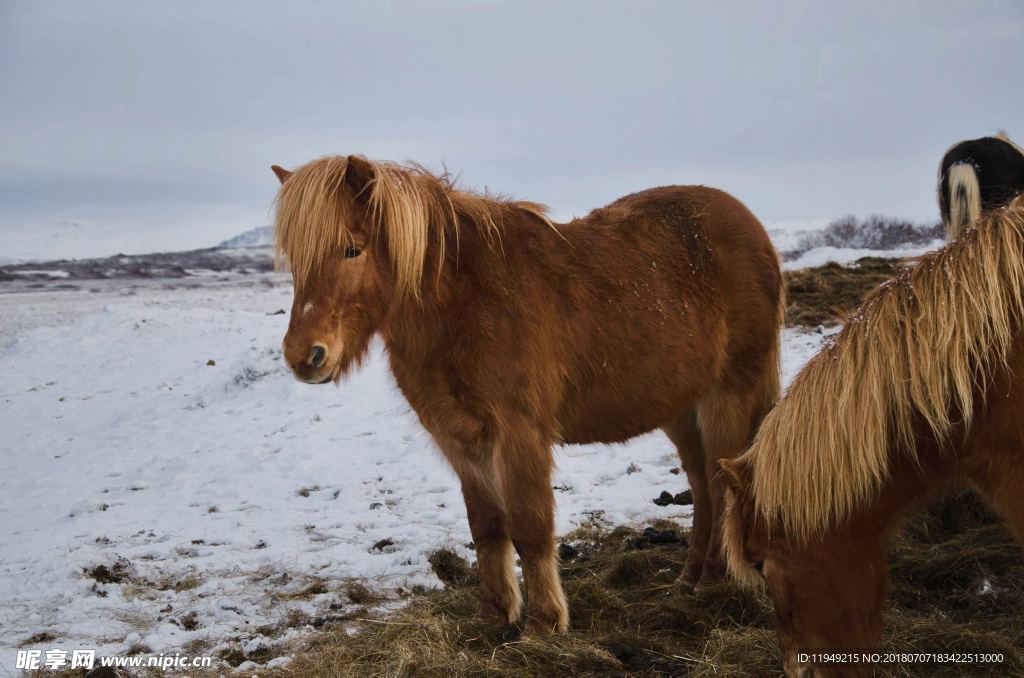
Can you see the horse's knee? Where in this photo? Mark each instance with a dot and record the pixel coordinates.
(534, 546)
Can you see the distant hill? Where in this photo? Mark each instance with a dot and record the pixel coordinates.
(261, 236)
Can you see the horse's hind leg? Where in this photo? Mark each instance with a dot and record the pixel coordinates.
(686, 436)
(725, 420)
(500, 599)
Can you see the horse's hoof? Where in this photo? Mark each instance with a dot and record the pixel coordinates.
(496, 616)
(546, 627)
(712, 572)
(498, 619)
(687, 581)
(708, 582)
(690, 575)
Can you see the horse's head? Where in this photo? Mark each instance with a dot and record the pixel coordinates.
(828, 593)
(341, 276)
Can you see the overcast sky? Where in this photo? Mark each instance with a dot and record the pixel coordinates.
(163, 118)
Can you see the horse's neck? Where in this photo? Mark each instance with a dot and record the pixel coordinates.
(912, 479)
(480, 268)
(414, 327)
(425, 366)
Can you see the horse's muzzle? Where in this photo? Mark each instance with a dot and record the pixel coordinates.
(314, 367)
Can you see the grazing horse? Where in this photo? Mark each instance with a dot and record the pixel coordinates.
(923, 384)
(509, 334)
(976, 176)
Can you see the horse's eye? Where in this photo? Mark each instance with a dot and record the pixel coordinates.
(352, 252)
(759, 566)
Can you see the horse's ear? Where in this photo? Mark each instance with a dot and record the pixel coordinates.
(282, 173)
(735, 473)
(358, 176)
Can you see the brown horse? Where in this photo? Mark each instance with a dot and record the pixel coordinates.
(508, 334)
(922, 386)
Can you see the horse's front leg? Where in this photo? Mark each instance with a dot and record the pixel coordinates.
(524, 474)
(500, 599)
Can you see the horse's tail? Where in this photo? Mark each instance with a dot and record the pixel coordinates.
(964, 198)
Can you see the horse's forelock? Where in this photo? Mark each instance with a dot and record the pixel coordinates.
(737, 519)
(408, 205)
(312, 216)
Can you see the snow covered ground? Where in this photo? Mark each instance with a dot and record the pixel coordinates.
(221, 496)
(795, 241)
(166, 481)
(819, 256)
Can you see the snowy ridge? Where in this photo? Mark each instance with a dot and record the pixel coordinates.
(801, 245)
(74, 240)
(261, 236)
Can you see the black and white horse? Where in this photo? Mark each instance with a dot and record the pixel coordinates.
(976, 176)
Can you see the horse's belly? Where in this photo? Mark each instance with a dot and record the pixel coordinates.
(600, 416)
(607, 431)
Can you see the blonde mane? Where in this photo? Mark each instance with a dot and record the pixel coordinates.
(407, 205)
(922, 348)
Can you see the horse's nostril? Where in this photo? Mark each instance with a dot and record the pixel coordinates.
(318, 356)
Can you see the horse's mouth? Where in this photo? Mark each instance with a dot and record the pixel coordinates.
(330, 376)
(315, 380)
(324, 372)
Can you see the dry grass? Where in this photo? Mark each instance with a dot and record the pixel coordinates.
(823, 295)
(630, 620)
(628, 617)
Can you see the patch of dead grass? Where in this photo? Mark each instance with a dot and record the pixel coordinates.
(825, 294)
(629, 619)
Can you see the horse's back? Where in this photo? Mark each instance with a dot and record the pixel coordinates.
(985, 151)
(684, 209)
(687, 293)
(715, 237)
(747, 273)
